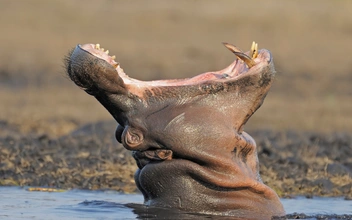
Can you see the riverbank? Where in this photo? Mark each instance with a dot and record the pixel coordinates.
(292, 163)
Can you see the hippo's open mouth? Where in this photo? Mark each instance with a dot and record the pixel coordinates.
(246, 63)
(238, 90)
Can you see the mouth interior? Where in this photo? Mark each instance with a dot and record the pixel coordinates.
(235, 70)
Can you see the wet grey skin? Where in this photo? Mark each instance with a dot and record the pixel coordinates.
(187, 135)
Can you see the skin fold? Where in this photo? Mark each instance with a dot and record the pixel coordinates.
(187, 135)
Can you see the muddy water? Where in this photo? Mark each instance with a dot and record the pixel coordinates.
(18, 203)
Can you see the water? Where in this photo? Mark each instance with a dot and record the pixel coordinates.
(18, 203)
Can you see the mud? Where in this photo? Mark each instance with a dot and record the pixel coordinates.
(292, 163)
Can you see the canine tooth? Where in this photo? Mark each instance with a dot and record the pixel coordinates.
(107, 51)
(242, 56)
(245, 58)
(232, 48)
(97, 46)
(113, 57)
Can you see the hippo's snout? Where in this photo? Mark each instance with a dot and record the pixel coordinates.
(93, 69)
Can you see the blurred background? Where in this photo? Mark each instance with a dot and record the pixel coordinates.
(310, 42)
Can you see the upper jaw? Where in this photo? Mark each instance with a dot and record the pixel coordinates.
(93, 69)
(247, 63)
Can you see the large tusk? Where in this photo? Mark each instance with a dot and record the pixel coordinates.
(232, 48)
(242, 56)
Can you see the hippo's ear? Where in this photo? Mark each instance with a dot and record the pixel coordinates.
(133, 138)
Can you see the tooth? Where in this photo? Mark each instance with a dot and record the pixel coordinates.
(242, 56)
(256, 51)
(102, 49)
(253, 45)
(107, 51)
(97, 46)
(232, 48)
(113, 57)
(252, 49)
(245, 58)
(116, 65)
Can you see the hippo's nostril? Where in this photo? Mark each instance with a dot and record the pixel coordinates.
(225, 75)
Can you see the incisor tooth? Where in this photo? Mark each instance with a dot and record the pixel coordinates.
(97, 46)
(116, 65)
(254, 50)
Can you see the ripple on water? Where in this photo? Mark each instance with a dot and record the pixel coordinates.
(18, 203)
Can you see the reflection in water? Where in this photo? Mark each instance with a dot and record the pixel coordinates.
(17, 203)
(141, 211)
(144, 212)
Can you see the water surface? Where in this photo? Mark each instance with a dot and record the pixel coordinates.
(18, 203)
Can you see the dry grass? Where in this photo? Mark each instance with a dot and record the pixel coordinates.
(163, 39)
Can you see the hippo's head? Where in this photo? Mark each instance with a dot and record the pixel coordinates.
(187, 134)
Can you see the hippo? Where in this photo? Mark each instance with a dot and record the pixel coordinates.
(186, 135)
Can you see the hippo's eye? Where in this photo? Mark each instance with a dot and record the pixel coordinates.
(225, 75)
